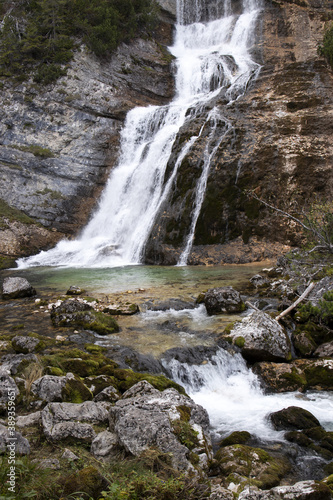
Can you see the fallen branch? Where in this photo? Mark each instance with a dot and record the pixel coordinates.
(252, 306)
(302, 297)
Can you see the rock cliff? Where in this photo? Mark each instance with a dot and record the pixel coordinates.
(59, 143)
(280, 144)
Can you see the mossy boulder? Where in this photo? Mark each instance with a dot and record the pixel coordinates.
(88, 481)
(127, 309)
(293, 418)
(81, 367)
(315, 438)
(126, 378)
(16, 288)
(237, 437)
(303, 343)
(223, 300)
(258, 466)
(77, 314)
(97, 383)
(24, 345)
(75, 391)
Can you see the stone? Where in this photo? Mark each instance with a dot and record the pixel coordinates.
(165, 305)
(303, 490)
(108, 394)
(324, 350)
(220, 493)
(62, 420)
(29, 420)
(146, 417)
(293, 418)
(75, 290)
(69, 455)
(121, 309)
(15, 288)
(223, 300)
(258, 280)
(12, 363)
(103, 445)
(261, 338)
(67, 388)
(78, 314)
(25, 345)
(13, 441)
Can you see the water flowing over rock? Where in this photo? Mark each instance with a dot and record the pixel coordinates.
(146, 417)
(261, 338)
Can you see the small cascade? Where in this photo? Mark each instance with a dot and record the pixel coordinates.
(211, 51)
(233, 397)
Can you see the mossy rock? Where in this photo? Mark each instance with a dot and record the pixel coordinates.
(264, 470)
(303, 343)
(81, 367)
(293, 418)
(98, 383)
(239, 342)
(237, 437)
(95, 349)
(75, 391)
(185, 433)
(320, 376)
(88, 480)
(54, 370)
(27, 344)
(126, 378)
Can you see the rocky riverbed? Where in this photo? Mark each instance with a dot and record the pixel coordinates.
(90, 418)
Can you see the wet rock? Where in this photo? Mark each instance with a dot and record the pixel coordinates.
(165, 305)
(190, 355)
(129, 358)
(146, 417)
(62, 420)
(75, 290)
(11, 440)
(250, 462)
(314, 439)
(121, 309)
(237, 437)
(25, 345)
(223, 300)
(303, 490)
(104, 445)
(29, 420)
(293, 418)
(15, 288)
(261, 338)
(77, 314)
(299, 375)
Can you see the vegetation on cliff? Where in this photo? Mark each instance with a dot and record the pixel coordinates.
(39, 36)
(326, 49)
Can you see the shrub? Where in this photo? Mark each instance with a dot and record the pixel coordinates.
(326, 49)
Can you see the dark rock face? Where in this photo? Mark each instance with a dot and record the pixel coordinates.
(223, 300)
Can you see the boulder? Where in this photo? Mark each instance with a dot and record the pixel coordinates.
(53, 388)
(261, 338)
(75, 290)
(108, 394)
(248, 462)
(223, 300)
(146, 417)
(29, 420)
(293, 418)
(62, 420)
(165, 305)
(103, 445)
(16, 288)
(78, 314)
(13, 442)
(300, 375)
(12, 363)
(69, 455)
(25, 345)
(121, 309)
(303, 490)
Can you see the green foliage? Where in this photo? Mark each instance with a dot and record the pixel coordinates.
(326, 49)
(39, 36)
(323, 313)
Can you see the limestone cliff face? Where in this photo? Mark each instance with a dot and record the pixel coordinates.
(58, 143)
(280, 145)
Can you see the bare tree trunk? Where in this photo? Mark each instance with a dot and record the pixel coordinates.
(302, 297)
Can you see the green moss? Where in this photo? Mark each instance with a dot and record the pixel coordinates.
(36, 150)
(319, 376)
(239, 342)
(95, 349)
(185, 433)
(53, 370)
(76, 392)
(6, 262)
(13, 214)
(297, 380)
(81, 367)
(237, 437)
(127, 378)
(185, 412)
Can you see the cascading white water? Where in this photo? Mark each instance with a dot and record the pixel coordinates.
(232, 395)
(210, 55)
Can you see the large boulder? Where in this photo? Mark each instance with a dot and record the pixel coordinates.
(300, 375)
(16, 288)
(12, 363)
(223, 300)
(261, 338)
(68, 388)
(79, 314)
(170, 421)
(293, 418)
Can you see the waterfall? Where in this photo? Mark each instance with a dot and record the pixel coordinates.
(211, 51)
(233, 397)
